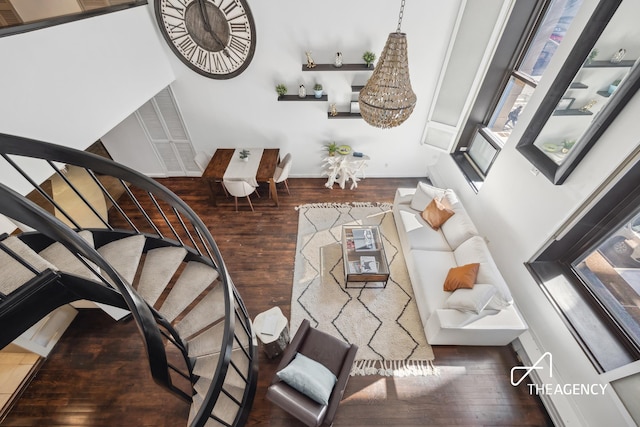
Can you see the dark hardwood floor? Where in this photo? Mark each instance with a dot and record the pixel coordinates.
(97, 375)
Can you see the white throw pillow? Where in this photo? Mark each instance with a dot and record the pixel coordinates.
(472, 300)
(425, 193)
(475, 250)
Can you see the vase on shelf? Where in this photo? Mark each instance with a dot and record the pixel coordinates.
(338, 61)
(302, 92)
(617, 57)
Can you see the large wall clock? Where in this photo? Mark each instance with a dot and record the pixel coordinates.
(215, 38)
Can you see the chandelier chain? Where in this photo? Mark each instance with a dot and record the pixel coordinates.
(400, 16)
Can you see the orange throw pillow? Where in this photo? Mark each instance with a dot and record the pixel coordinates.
(463, 277)
(437, 213)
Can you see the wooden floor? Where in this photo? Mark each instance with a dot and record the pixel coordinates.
(97, 375)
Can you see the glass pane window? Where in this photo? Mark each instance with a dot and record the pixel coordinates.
(482, 152)
(611, 271)
(535, 58)
(548, 37)
(512, 102)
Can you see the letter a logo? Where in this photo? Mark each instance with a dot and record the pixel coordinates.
(528, 369)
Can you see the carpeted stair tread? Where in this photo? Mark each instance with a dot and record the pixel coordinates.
(195, 278)
(160, 265)
(208, 342)
(14, 274)
(205, 367)
(208, 311)
(58, 255)
(124, 255)
(195, 407)
(225, 409)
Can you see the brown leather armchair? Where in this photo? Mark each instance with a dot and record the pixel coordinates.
(334, 354)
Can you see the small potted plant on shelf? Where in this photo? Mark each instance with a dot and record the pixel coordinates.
(332, 148)
(369, 57)
(281, 89)
(317, 90)
(244, 155)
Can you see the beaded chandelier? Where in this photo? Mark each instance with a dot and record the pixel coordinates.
(387, 99)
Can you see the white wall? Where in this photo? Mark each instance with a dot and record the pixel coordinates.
(244, 111)
(518, 212)
(69, 84)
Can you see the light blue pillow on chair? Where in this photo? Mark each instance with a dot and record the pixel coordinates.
(309, 378)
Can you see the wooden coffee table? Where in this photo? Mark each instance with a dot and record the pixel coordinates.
(363, 256)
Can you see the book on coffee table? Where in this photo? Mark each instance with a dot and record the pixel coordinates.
(363, 239)
(368, 264)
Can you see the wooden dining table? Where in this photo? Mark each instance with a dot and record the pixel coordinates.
(218, 164)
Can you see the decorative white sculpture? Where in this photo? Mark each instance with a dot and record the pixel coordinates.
(340, 169)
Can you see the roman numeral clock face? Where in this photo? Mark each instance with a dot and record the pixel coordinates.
(215, 38)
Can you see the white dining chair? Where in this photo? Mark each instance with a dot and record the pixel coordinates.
(282, 172)
(239, 189)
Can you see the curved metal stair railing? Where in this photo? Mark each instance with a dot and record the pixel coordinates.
(177, 319)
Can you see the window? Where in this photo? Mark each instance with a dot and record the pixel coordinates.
(611, 271)
(531, 38)
(592, 276)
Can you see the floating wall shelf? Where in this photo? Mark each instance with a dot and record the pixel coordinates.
(608, 64)
(572, 112)
(345, 115)
(578, 85)
(331, 67)
(306, 98)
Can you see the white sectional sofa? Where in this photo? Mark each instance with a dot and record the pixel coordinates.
(483, 315)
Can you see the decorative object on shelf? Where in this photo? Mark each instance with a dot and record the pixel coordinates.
(617, 57)
(310, 63)
(565, 103)
(592, 56)
(369, 57)
(357, 154)
(281, 90)
(613, 86)
(302, 91)
(387, 100)
(355, 107)
(244, 155)
(587, 107)
(332, 147)
(317, 90)
(199, 33)
(344, 149)
(333, 111)
(338, 61)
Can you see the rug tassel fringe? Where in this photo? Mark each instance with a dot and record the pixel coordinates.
(394, 368)
(383, 205)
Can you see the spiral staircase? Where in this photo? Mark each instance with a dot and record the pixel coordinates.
(160, 265)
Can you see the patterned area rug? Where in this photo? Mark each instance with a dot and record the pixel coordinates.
(384, 323)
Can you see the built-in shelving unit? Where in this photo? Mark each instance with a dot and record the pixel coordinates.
(306, 98)
(331, 67)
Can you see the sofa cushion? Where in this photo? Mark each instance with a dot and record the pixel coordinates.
(459, 227)
(475, 250)
(462, 277)
(437, 212)
(418, 233)
(424, 194)
(429, 270)
(471, 300)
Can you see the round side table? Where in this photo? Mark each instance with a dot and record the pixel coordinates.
(272, 330)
